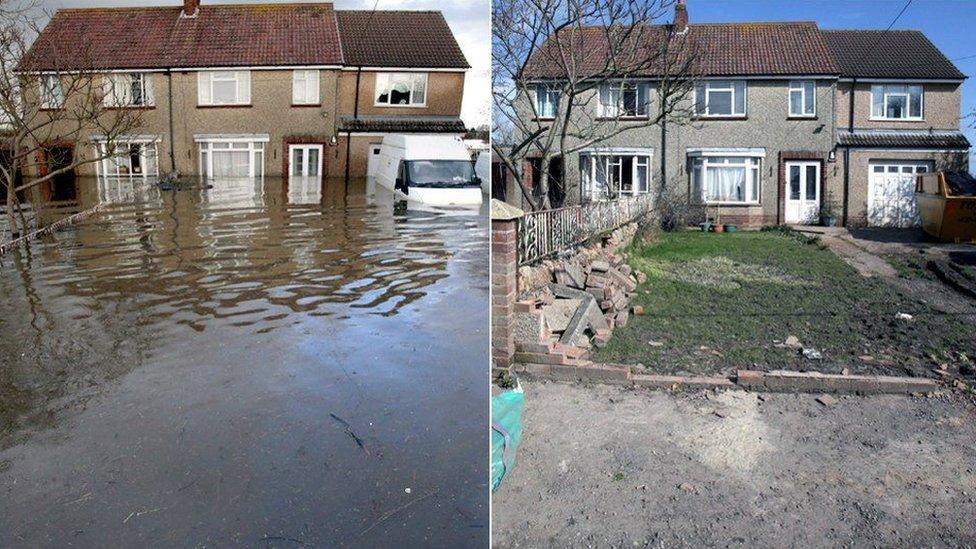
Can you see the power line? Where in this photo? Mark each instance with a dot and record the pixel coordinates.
(881, 36)
(961, 58)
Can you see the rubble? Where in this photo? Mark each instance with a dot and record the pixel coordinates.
(573, 303)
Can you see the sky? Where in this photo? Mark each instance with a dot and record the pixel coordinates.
(949, 24)
(469, 19)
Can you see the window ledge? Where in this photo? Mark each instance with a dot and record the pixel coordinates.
(623, 118)
(875, 119)
(735, 204)
(717, 117)
(802, 117)
(234, 106)
(131, 108)
(306, 105)
(389, 106)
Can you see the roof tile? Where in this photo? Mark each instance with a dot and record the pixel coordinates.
(891, 54)
(422, 39)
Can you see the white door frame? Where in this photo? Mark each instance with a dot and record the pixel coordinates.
(306, 147)
(802, 204)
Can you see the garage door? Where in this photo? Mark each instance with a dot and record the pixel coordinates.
(891, 193)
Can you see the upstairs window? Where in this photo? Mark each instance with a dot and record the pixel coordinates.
(625, 100)
(803, 99)
(305, 87)
(546, 101)
(224, 88)
(401, 89)
(896, 102)
(131, 89)
(720, 98)
(52, 94)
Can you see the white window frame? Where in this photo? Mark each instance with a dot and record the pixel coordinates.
(118, 91)
(102, 167)
(641, 158)
(715, 86)
(546, 101)
(255, 148)
(382, 82)
(205, 80)
(800, 86)
(885, 95)
(51, 91)
(615, 93)
(305, 87)
(753, 170)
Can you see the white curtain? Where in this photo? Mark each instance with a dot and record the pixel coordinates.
(231, 163)
(725, 183)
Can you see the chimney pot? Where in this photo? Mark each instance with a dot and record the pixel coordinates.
(190, 8)
(680, 17)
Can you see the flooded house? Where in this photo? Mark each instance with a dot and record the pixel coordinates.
(238, 91)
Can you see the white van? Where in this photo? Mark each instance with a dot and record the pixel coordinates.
(432, 169)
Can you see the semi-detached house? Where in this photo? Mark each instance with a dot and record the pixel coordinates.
(777, 134)
(255, 89)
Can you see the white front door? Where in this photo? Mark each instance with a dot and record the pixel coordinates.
(891, 193)
(802, 192)
(306, 160)
(373, 160)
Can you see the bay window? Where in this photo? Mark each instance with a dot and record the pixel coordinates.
(128, 157)
(224, 88)
(725, 179)
(546, 101)
(803, 98)
(896, 102)
(232, 157)
(613, 173)
(720, 98)
(52, 94)
(305, 87)
(129, 89)
(625, 100)
(401, 89)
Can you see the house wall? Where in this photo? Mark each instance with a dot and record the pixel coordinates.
(444, 93)
(941, 104)
(766, 125)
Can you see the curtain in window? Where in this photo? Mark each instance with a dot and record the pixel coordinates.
(725, 184)
(233, 163)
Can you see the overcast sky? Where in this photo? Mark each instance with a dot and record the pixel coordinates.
(469, 19)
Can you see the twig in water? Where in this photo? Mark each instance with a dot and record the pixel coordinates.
(350, 432)
(389, 514)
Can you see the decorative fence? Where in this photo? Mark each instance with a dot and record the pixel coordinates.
(545, 233)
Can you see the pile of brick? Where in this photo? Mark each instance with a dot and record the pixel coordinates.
(611, 282)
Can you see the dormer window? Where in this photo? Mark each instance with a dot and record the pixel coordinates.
(720, 98)
(896, 102)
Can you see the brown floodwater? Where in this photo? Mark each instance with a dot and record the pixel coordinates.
(263, 362)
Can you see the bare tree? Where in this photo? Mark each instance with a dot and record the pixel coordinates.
(50, 98)
(574, 51)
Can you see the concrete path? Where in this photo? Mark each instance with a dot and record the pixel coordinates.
(608, 467)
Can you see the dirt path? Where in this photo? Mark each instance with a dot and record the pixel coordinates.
(608, 467)
(864, 255)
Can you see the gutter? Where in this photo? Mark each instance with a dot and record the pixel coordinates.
(172, 144)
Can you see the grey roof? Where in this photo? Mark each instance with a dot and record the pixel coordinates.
(402, 124)
(891, 54)
(903, 139)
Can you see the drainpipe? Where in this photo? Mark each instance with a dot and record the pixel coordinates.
(355, 116)
(172, 146)
(847, 153)
(664, 155)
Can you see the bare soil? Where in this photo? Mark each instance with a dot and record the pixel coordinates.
(610, 467)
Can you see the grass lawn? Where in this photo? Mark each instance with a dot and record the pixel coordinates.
(718, 302)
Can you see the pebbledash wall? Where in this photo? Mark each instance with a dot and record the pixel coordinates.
(767, 125)
(271, 112)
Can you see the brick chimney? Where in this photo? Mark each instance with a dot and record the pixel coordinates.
(190, 8)
(680, 17)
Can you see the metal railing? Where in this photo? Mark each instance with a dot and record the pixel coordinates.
(548, 232)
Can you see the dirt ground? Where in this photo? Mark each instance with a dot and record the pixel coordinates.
(604, 466)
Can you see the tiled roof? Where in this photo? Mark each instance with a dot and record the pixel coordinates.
(891, 54)
(404, 124)
(158, 37)
(732, 49)
(398, 39)
(903, 139)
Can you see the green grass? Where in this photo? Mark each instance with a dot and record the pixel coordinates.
(718, 302)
